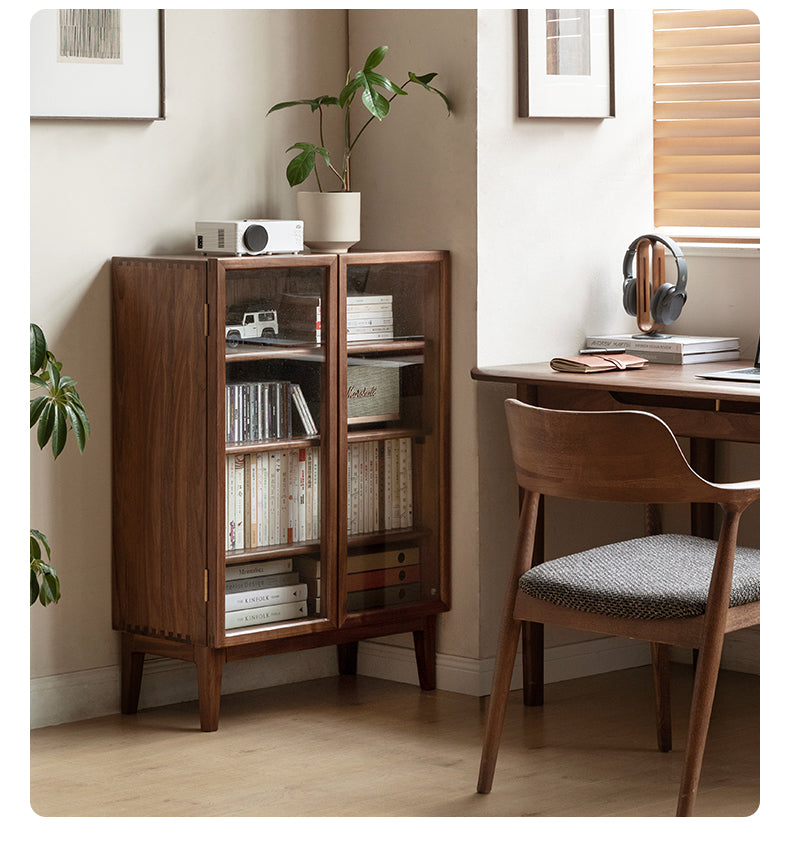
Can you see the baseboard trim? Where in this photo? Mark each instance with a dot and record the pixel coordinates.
(93, 693)
(473, 677)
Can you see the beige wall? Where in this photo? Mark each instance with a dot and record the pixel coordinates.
(100, 189)
(535, 213)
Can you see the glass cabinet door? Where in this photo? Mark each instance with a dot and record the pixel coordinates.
(277, 429)
(390, 370)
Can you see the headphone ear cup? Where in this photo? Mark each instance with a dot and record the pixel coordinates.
(666, 304)
(629, 295)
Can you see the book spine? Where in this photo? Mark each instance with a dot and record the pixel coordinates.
(302, 490)
(247, 599)
(239, 500)
(261, 582)
(383, 560)
(234, 572)
(659, 345)
(264, 615)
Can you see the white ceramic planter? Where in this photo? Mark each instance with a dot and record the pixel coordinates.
(331, 220)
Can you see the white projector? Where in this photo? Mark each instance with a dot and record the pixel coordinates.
(250, 236)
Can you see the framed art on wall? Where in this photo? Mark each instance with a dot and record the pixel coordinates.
(97, 64)
(566, 63)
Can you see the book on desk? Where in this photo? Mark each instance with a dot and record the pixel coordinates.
(673, 349)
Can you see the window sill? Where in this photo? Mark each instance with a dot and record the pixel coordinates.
(707, 246)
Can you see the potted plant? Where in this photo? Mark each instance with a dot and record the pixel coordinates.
(327, 213)
(55, 411)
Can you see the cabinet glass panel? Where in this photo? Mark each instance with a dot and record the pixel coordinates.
(275, 458)
(389, 357)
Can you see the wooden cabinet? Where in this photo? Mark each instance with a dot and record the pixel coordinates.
(280, 458)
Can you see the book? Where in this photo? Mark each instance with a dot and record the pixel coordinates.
(383, 560)
(375, 578)
(302, 409)
(383, 596)
(260, 582)
(593, 364)
(672, 344)
(235, 619)
(234, 572)
(245, 599)
(354, 301)
(672, 358)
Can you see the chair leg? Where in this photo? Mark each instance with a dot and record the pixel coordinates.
(500, 690)
(699, 719)
(661, 688)
(707, 670)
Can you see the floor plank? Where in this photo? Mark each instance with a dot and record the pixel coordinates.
(356, 746)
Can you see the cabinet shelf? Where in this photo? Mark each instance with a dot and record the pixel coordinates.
(228, 548)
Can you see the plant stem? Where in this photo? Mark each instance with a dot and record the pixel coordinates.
(369, 121)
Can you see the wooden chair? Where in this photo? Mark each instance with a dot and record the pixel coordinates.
(667, 589)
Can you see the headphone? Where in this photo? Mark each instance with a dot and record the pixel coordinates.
(667, 301)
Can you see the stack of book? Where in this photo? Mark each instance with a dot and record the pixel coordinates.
(263, 592)
(272, 497)
(379, 485)
(368, 317)
(263, 411)
(673, 350)
(299, 317)
(378, 579)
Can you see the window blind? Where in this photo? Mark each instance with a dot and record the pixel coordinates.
(706, 119)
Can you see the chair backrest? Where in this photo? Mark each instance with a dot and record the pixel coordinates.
(623, 456)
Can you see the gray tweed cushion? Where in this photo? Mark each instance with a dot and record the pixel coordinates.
(657, 577)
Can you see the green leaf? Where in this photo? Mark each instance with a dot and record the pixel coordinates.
(423, 81)
(347, 94)
(302, 165)
(384, 82)
(38, 348)
(46, 424)
(375, 58)
(375, 103)
(314, 104)
(34, 588)
(36, 538)
(36, 408)
(59, 431)
(77, 426)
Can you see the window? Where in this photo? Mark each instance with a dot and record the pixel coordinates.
(706, 124)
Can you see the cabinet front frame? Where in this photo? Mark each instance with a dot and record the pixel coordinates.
(218, 271)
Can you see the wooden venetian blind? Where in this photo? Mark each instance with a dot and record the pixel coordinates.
(706, 118)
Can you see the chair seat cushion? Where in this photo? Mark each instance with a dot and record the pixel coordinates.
(658, 577)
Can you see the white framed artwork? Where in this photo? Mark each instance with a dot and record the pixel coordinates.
(97, 64)
(566, 63)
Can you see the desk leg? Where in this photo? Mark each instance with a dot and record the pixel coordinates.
(532, 633)
(703, 461)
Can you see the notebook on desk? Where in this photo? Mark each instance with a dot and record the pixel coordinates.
(744, 375)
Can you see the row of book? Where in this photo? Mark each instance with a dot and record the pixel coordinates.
(272, 497)
(379, 485)
(368, 317)
(263, 592)
(285, 589)
(264, 411)
(673, 349)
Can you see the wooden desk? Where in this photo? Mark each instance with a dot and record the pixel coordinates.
(705, 411)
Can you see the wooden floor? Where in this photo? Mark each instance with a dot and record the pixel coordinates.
(356, 746)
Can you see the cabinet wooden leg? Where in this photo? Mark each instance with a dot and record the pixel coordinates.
(209, 675)
(347, 658)
(131, 675)
(425, 652)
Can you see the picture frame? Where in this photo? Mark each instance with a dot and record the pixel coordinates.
(97, 64)
(566, 63)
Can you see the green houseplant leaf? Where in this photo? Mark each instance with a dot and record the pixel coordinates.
(377, 95)
(53, 413)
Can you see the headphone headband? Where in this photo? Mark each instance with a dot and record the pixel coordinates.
(680, 260)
